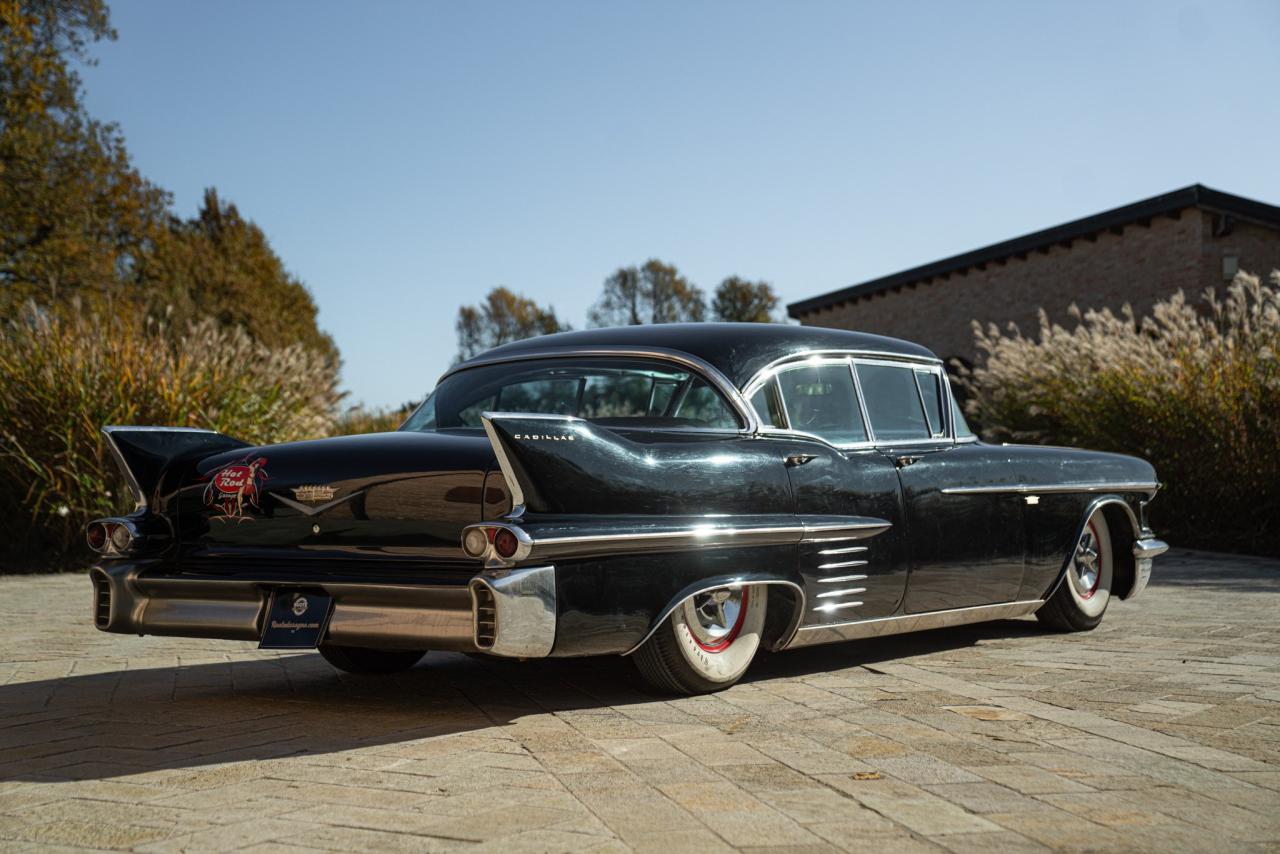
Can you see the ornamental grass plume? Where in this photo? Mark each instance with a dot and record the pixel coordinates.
(1195, 390)
(62, 378)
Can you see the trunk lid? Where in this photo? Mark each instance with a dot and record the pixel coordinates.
(380, 495)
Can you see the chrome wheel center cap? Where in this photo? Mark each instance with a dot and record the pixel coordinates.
(717, 612)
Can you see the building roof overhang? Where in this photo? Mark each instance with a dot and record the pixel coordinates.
(1139, 213)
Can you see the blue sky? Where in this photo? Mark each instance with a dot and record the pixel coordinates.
(406, 157)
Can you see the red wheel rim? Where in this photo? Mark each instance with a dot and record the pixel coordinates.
(723, 644)
(1097, 574)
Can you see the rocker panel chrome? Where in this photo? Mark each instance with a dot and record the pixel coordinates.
(819, 634)
(1045, 489)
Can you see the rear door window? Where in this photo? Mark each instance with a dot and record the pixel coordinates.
(821, 399)
(893, 402)
(930, 385)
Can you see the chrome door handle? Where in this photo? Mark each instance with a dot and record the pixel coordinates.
(794, 460)
(904, 461)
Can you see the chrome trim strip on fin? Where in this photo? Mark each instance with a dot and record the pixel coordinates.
(1030, 489)
(709, 533)
(818, 634)
(841, 578)
(504, 465)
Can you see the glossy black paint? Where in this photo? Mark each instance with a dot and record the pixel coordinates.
(608, 605)
(400, 501)
(736, 350)
(862, 483)
(569, 466)
(407, 496)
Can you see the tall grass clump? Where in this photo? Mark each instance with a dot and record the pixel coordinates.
(361, 419)
(1194, 390)
(62, 378)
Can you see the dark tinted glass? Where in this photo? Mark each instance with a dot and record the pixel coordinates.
(620, 392)
(932, 396)
(893, 404)
(821, 399)
(766, 404)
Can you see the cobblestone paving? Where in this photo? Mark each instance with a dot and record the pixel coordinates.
(1160, 731)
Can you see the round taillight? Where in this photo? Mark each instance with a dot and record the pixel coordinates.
(121, 538)
(474, 542)
(505, 543)
(96, 534)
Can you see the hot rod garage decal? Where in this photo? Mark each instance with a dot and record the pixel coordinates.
(234, 489)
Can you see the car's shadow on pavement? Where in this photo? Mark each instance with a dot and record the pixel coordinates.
(124, 722)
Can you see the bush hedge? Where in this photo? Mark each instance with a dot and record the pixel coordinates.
(64, 377)
(1195, 391)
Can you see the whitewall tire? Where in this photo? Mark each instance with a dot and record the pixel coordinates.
(1081, 599)
(707, 643)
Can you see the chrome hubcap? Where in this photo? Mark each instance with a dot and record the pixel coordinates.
(717, 616)
(1088, 562)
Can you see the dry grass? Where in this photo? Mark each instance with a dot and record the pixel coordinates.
(64, 378)
(1195, 392)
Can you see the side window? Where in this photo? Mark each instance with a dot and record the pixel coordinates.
(821, 399)
(767, 405)
(706, 408)
(893, 403)
(931, 394)
(962, 426)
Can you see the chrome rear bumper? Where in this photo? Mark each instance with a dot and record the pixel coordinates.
(128, 600)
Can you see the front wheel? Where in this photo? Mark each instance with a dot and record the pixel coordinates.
(1081, 599)
(707, 643)
(361, 659)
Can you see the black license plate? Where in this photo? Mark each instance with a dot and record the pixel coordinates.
(296, 619)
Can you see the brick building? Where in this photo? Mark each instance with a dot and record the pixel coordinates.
(1190, 239)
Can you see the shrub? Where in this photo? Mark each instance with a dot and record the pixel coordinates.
(1195, 392)
(359, 419)
(63, 378)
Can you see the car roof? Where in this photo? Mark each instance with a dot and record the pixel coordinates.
(737, 350)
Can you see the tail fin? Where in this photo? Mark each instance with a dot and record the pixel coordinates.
(144, 453)
(560, 464)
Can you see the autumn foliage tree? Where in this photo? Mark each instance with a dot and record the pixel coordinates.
(75, 216)
(79, 226)
(504, 316)
(652, 293)
(741, 300)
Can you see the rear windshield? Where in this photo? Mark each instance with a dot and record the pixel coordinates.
(611, 392)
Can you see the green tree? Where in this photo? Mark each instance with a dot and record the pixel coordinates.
(653, 293)
(503, 317)
(75, 216)
(737, 299)
(219, 264)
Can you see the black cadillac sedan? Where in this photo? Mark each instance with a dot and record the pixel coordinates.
(682, 494)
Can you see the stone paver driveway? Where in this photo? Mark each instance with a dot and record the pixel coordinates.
(1159, 731)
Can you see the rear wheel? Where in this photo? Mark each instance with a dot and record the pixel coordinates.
(707, 643)
(1081, 599)
(360, 659)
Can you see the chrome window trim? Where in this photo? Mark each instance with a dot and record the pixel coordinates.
(740, 404)
(853, 358)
